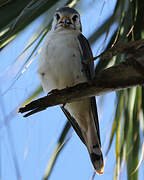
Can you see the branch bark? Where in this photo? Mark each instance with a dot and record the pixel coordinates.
(126, 74)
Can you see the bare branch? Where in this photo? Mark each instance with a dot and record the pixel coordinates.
(124, 75)
(120, 48)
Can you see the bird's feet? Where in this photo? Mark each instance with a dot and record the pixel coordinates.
(53, 91)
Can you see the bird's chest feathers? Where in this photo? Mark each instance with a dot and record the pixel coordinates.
(63, 51)
(61, 60)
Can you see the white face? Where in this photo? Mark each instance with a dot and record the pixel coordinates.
(65, 19)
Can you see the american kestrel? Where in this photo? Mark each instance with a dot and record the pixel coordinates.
(61, 65)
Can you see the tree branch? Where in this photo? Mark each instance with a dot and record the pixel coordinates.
(126, 74)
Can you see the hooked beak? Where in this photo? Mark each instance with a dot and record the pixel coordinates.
(65, 21)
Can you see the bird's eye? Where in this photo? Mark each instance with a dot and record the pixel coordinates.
(57, 16)
(74, 18)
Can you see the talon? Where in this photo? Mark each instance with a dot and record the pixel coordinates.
(53, 91)
(63, 105)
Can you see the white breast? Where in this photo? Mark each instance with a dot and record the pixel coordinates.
(60, 61)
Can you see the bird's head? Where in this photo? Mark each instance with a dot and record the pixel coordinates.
(66, 18)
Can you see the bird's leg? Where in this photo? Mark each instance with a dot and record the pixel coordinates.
(53, 91)
(63, 105)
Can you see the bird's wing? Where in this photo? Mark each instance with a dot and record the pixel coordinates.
(86, 53)
(73, 123)
(89, 70)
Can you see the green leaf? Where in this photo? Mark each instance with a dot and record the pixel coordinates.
(15, 23)
(118, 132)
(59, 146)
(33, 95)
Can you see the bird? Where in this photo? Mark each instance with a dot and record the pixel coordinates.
(62, 64)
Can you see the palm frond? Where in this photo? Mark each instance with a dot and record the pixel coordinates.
(21, 17)
(59, 146)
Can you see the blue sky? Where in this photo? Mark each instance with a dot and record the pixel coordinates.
(27, 143)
